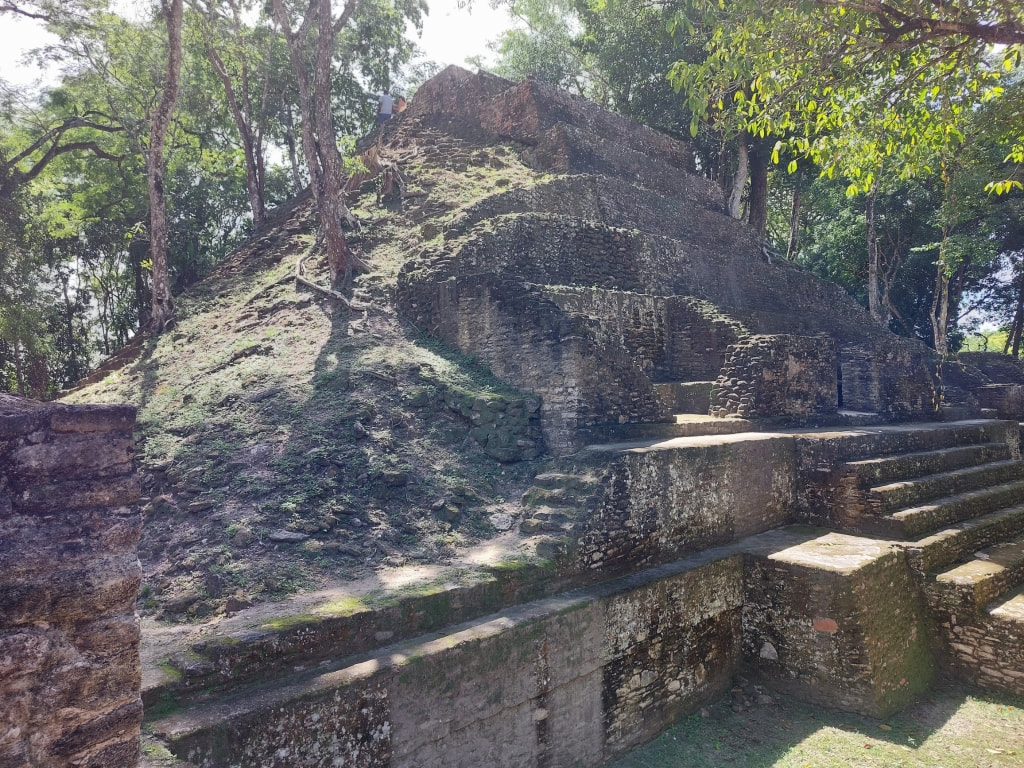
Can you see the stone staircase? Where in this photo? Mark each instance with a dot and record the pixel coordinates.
(927, 568)
(554, 504)
(958, 511)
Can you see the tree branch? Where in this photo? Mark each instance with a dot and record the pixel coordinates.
(12, 8)
(346, 14)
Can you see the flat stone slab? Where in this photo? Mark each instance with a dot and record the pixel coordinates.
(1011, 609)
(834, 552)
(987, 563)
(676, 443)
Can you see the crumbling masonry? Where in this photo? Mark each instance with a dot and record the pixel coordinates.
(747, 474)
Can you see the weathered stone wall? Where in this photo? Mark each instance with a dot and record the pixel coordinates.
(777, 376)
(839, 622)
(764, 297)
(568, 681)
(560, 132)
(617, 202)
(581, 378)
(507, 428)
(641, 222)
(895, 377)
(1000, 368)
(1006, 399)
(670, 338)
(986, 650)
(659, 504)
(69, 577)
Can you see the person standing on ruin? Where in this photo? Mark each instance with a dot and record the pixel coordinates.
(385, 106)
(400, 104)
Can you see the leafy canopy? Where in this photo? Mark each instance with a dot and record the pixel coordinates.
(853, 84)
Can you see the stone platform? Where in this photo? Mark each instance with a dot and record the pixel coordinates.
(837, 617)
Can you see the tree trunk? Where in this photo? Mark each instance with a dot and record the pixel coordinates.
(254, 182)
(289, 140)
(163, 303)
(739, 181)
(1018, 322)
(757, 208)
(335, 211)
(136, 251)
(878, 313)
(940, 309)
(319, 143)
(794, 225)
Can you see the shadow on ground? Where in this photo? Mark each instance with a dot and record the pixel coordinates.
(954, 726)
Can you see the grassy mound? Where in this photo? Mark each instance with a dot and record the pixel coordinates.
(286, 442)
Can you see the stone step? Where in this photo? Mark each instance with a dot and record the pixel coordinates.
(682, 425)
(566, 480)
(555, 497)
(1011, 608)
(957, 412)
(988, 651)
(957, 542)
(908, 523)
(893, 496)
(873, 442)
(885, 469)
(857, 418)
(546, 520)
(461, 696)
(987, 648)
(964, 589)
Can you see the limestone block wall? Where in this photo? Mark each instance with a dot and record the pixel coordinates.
(580, 378)
(659, 504)
(894, 377)
(69, 577)
(838, 621)
(616, 202)
(1000, 368)
(638, 323)
(1006, 399)
(670, 338)
(777, 376)
(568, 681)
(560, 131)
(986, 649)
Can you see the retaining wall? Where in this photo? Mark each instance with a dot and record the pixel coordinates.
(69, 577)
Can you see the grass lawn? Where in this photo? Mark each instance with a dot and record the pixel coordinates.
(953, 727)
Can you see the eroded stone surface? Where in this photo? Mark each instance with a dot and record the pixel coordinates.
(69, 577)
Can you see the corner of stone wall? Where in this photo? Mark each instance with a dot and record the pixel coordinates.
(69, 577)
(850, 638)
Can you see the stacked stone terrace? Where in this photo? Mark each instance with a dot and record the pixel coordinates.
(710, 509)
(604, 288)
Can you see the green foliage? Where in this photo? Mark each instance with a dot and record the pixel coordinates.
(74, 265)
(854, 87)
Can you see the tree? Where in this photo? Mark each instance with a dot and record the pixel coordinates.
(226, 32)
(548, 44)
(318, 29)
(374, 29)
(851, 83)
(163, 301)
(860, 88)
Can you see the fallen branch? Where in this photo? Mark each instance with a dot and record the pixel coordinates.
(300, 278)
